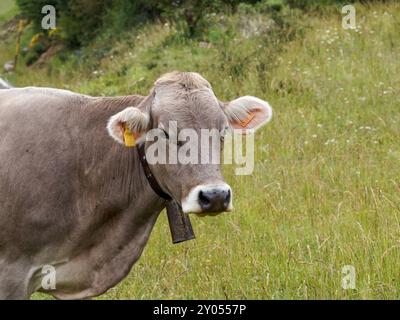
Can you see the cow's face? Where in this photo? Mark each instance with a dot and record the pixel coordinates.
(183, 124)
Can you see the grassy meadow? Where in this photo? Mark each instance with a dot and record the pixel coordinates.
(8, 9)
(325, 191)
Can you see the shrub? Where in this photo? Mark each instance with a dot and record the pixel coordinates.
(82, 20)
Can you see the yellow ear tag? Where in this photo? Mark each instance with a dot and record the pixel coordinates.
(129, 138)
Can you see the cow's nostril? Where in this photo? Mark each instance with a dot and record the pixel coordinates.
(204, 200)
(227, 199)
(214, 200)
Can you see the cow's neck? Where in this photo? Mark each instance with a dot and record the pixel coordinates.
(118, 170)
(115, 188)
(130, 187)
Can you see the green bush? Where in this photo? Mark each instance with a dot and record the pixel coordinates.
(78, 20)
(32, 10)
(82, 20)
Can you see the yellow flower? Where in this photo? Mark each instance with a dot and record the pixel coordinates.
(35, 39)
(52, 32)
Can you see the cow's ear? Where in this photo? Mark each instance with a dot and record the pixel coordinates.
(248, 113)
(128, 126)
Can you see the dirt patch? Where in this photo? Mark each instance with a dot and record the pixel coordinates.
(10, 27)
(48, 54)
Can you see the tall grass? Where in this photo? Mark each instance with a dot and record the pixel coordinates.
(8, 9)
(325, 192)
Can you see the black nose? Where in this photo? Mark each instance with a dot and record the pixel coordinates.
(214, 200)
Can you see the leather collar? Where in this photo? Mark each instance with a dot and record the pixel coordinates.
(149, 175)
(179, 222)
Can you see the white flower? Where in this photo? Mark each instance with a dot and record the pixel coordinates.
(330, 141)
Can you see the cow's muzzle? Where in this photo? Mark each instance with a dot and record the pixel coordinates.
(208, 199)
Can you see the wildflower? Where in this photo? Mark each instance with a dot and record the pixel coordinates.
(330, 141)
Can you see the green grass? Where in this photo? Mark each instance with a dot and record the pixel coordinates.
(8, 9)
(325, 192)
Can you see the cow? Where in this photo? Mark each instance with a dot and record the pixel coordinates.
(74, 197)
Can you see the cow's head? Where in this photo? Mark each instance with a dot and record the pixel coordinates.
(180, 104)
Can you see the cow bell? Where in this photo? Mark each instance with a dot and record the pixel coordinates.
(179, 223)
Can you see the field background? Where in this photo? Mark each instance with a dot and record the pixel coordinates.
(325, 191)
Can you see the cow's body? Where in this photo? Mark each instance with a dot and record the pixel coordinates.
(74, 198)
(70, 196)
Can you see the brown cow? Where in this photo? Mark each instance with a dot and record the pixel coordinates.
(76, 200)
